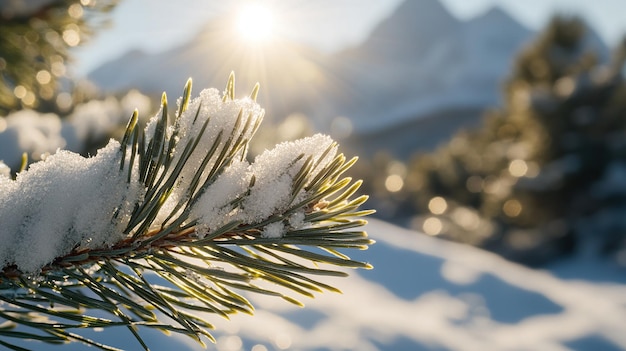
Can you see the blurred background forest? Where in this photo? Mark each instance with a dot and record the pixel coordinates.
(476, 130)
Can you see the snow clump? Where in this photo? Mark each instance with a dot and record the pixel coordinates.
(67, 202)
(63, 202)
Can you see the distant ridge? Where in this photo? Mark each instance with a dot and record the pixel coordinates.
(419, 60)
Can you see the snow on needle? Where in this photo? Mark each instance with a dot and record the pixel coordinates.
(173, 219)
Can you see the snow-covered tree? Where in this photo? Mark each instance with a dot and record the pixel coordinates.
(165, 226)
(542, 176)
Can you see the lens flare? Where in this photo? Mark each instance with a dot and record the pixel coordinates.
(255, 23)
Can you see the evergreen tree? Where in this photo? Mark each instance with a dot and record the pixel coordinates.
(35, 42)
(534, 180)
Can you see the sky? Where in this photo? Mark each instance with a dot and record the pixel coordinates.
(328, 25)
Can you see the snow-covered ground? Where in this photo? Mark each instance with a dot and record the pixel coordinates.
(428, 294)
(425, 293)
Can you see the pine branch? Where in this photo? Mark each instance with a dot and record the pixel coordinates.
(196, 226)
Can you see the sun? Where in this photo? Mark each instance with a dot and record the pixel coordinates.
(255, 23)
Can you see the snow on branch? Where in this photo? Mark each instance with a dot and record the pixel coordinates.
(180, 201)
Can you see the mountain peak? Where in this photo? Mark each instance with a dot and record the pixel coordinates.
(496, 12)
(431, 7)
(495, 15)
(410, 30)
(422, 15)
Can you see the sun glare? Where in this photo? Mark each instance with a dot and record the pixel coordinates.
(255, 23)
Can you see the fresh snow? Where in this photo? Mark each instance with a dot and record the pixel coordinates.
(61, 202)
(222, 117)
(67, 201)
(275, 171)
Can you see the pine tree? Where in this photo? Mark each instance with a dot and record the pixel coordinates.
(35, 39)
(531, 182)
(172, 222)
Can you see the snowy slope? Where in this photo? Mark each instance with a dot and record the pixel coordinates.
(427, 294)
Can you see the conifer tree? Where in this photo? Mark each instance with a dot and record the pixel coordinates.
(534, 180)
(35, 40)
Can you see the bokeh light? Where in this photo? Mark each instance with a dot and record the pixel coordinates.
(229, 343)
(432, 226)
(20, 91)
(518, 168)
(394, 183)
(75, 10)
(437, 205)
(341, 127)
(43, 77)
(466, 218)
(512, 208)
(283, 341)
(474, 184)
(71, 35)
(64, 101)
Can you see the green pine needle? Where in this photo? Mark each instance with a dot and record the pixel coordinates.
(163, 276)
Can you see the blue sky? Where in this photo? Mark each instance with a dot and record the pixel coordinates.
(326, 24)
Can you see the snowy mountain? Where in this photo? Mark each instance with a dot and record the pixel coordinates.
(410, 33)
(421, 61)
(428, 294)
(431, 64)
(489, 41)
(418, 60)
